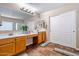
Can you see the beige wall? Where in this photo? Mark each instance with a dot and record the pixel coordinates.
(77, 28)
(60, 10)
(12, 20)
(46, 16)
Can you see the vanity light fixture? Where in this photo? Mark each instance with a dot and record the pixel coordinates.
(28, 9)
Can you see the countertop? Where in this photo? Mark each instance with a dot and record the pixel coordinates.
(15, 35)
(3, 36)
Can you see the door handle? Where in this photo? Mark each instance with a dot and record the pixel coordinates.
(73, 30)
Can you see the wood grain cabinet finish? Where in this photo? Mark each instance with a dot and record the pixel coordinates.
(44, 36)
(15, 45)
(7, 46)
(41, 37)
(31, 36)
(7, 49)
(20, 44)
(12, 46)
(6, 40)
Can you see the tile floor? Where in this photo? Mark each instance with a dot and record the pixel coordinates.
(41, 51)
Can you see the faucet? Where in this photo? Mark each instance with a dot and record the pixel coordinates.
(10, 34)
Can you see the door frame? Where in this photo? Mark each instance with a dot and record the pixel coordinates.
(49, 29)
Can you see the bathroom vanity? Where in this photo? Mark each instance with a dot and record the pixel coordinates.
(12, 45)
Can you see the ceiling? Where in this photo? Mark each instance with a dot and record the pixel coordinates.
(13, 10)
(41, 7)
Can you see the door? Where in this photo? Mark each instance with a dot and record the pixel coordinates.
(63, 29)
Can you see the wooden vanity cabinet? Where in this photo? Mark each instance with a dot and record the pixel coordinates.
(44, 36)
(20, 44)
(6, 41)
(41, 37)
(7, 47)
(15, 45)
(12, 46)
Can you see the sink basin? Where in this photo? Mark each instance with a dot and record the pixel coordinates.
(2, 36)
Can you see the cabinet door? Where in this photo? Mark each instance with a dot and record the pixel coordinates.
(7, 49)
(20, 44)
(7, 40)
(44, 36)
(40, 37)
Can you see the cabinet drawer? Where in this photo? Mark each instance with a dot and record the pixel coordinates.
(7, 40)
(7, 49)
(21, 38)
(31, 36)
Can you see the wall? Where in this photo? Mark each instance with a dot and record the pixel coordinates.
(64, 35)
(46, 16)
(31, 21)
(60, 10)
(15, 20)
(31, 24)
(77, 27)
(8, 14)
